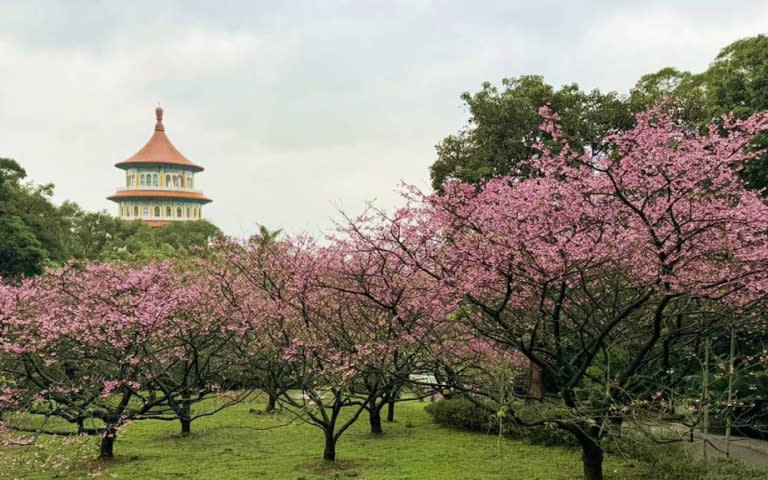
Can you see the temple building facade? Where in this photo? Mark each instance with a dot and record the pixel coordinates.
(159, 183)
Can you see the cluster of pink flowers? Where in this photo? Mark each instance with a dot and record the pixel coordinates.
(111, 386)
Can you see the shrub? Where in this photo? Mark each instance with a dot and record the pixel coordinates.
(547, 435)
(485, 416)
(461, 412)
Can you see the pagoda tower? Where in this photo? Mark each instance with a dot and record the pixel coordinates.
(159, 183)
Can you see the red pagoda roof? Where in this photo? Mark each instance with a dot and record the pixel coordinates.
(159, 151)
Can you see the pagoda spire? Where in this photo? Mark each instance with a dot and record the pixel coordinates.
(159, 115)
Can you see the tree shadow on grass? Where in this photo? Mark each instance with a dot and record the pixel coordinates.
(337, 469)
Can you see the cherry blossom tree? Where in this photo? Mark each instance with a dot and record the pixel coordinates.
(249, 281)
(286, 311)
(392, 307)
(191, 360)
(112, 344)
(323, 347)
(77, 346)
(632, 253)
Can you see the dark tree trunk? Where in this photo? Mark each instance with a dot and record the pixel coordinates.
(592, 457)
(185, 416)
(391, 410)
(80, 426)
(107, 444)
(375, 419)
(271, 403)
(329, 454)
(186, 426)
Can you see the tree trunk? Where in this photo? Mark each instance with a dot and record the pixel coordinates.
(186, 426)
(535, 384)
(329, 454)
(375, 419)
(271, 403)
(185, 416)
(107, 444)
(592, 457)
(391, 410)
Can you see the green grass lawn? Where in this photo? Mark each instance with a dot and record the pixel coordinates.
(234, 444)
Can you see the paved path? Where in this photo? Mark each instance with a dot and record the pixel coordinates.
(749, 450)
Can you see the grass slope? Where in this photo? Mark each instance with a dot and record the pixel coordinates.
(237, 443)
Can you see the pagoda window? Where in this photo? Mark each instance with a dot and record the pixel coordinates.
(187, 212)
(157, 211)
(167, 211)
(167, 180)
(146, 211)
(155, 180)
(141, 179)
(178, 212)
(135, 211)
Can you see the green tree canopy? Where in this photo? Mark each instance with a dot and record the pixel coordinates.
(139, 243)
(738, 78)
(92, 232)
(685, 90)
(504, 126)
(10, 171)
(21, 254)
(34, 229)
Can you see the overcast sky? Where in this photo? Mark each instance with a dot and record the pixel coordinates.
(300, 108)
